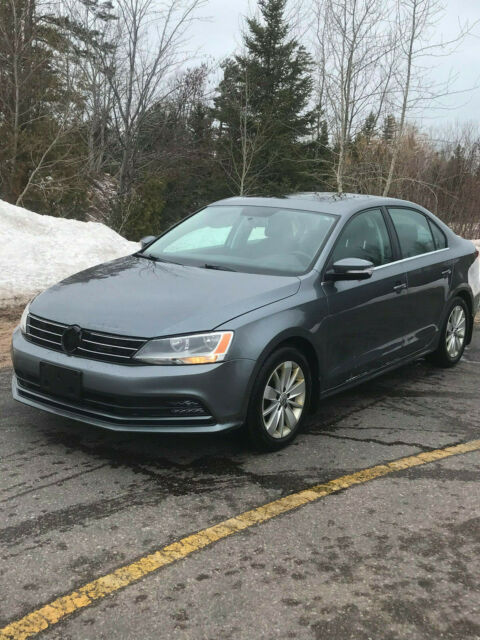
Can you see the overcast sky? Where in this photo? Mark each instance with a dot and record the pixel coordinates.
(220, 35)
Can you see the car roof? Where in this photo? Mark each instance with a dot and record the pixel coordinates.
(341, 204)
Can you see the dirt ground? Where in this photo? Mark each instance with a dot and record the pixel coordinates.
(9, 318)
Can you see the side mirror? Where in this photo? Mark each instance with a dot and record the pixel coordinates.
(147, 240)
(350, 269)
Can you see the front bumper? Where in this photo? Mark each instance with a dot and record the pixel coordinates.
(126, 397)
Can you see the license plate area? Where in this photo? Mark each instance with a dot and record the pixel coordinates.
(60, 381)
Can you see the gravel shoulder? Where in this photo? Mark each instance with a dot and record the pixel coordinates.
(9, 318)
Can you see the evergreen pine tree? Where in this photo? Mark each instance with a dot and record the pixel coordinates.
(42, 104)
(389, 128)
(30, 89)
(264, 97)
(318, 156)
(369, 128)
(363, 138)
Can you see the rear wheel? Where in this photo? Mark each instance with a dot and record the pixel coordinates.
(454, 334)
(279, 401)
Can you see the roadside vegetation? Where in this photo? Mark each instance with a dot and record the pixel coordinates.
(106, 115)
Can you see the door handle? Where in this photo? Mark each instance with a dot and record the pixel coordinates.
(398, 288)
(446, 273)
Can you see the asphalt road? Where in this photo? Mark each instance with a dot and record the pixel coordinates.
(395, 558)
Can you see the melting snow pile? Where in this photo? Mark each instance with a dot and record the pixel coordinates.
(37, 251)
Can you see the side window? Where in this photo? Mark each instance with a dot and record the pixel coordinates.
(413, 232)
(438, 236)
(365, 236)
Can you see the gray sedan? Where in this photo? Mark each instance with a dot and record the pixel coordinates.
(246, 314)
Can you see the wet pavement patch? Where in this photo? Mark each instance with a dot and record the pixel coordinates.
(77, 503)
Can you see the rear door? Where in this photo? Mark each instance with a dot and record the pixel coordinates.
(428, 268)
(365, 326)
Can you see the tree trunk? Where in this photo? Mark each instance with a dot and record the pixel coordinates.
(401, 127)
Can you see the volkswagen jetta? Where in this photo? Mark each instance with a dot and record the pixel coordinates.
(246, 314)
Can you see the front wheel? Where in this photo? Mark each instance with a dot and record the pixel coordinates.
(453, 336)
(280, 400)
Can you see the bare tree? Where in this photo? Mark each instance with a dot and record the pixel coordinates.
(354, 48)
(242, 147)
(20, 61)
(91, 25)
(38, 104)
(415, 54)
(147, 50)
(164, 132)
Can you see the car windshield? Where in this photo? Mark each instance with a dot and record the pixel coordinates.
(269, 240)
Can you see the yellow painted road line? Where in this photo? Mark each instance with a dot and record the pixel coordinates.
(56, 611)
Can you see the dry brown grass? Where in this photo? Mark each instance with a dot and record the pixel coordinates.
(9, 318)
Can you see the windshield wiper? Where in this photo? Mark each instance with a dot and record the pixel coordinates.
(218, 267)
(146, 256)
(155, 259)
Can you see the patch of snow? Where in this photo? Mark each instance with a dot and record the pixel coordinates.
(37, 251)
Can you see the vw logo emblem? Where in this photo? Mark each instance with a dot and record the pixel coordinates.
(71, 338)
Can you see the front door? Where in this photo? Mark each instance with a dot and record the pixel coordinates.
(367, 318)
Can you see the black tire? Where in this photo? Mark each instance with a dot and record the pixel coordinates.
(256, 429)
(441, 356)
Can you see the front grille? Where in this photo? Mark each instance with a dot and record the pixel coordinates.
(122, 410)
(93, 344)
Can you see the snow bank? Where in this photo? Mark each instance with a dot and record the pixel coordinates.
(37, 251)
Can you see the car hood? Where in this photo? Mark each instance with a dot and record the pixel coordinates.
(137, 297)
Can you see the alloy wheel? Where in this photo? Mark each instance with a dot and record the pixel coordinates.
(455, 333)
(283, 399)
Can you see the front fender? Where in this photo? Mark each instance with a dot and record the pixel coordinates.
(260, 332)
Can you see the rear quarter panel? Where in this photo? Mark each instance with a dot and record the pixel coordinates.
(466, 264)
(466, 270)
(474, 282)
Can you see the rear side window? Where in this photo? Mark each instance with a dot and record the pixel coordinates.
(438, 236)
(366, 237)
(413, 232)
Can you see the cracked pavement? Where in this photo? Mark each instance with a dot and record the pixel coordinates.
(394, 558)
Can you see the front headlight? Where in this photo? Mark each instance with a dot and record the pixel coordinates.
(23, 319)
(202, 348)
